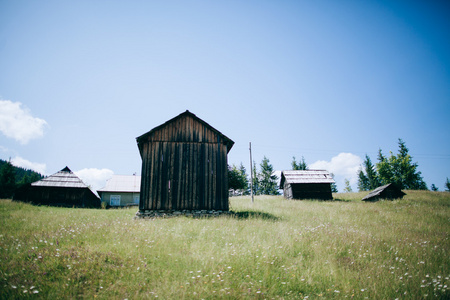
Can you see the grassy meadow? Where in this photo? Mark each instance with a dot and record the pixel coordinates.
(271, 249)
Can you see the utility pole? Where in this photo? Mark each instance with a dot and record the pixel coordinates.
(251, 171)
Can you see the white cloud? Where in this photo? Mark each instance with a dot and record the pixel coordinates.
(26, 164)
(343, 166)
(17, 122)
(95, 178)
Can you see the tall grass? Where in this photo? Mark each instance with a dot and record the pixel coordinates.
(273, 248)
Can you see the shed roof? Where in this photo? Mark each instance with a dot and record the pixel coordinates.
(122, 183)
(187, 113)
(64, 178)
(305, 176)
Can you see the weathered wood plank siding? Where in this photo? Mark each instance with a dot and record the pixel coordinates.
(184, 166)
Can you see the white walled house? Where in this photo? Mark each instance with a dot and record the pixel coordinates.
(121, 190)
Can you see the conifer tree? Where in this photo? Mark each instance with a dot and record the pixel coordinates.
(237, 179)
(300, 165)
(233, 178)
(384, 168)
(367, 177)
(400, 169)
(267, 180)
(244, 179)
(363, 181)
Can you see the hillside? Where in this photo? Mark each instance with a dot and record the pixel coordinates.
(23, 175)
(273, 248)
(12, 177)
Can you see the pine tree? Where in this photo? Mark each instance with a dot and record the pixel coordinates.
(237, 179)
(267, 181)
(367, 177)
(447, 185)
(300, 165)
(434, 188)
(410, 178)
(244, 180)
(371, 172)
(384, 168)
(363, 181)
(400, 169)
(233, 178)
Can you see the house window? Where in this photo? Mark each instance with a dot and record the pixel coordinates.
(114, 200)
(136, 199)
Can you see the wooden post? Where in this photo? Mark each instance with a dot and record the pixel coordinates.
(251, 171)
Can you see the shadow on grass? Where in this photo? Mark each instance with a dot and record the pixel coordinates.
(54, 204)
(337, 200)
(249, 214)
(324, 201)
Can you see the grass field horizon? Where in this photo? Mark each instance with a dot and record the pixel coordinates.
(270, 249)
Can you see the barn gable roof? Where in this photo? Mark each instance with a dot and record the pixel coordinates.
(122, 183)
(186, 114)
(388, 191)
(305, 176)
(63, 178)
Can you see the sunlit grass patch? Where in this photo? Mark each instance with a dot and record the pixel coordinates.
(272, 248)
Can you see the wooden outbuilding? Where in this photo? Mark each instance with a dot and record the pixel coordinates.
(306, 184)
(184, 166)
(389, 191)
(63, 188)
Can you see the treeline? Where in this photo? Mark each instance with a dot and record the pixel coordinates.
(12, 177)
(264, 179)
(395, 168)
(265, 182)
(398, 169)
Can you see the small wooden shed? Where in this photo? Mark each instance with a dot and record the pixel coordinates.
(184, 166)
(306, 184)
(63, 188)
(389, 191)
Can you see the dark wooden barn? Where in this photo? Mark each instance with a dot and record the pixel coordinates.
(389, 191)
(306, 184)
(63, 188)
(184, 166)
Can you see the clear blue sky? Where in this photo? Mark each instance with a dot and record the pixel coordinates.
(327, 80)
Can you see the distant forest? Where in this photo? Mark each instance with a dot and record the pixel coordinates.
(12, 177)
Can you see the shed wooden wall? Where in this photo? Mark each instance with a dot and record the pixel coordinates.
(58, 196)
(391, 192)
(320, 191)
(184, 167)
